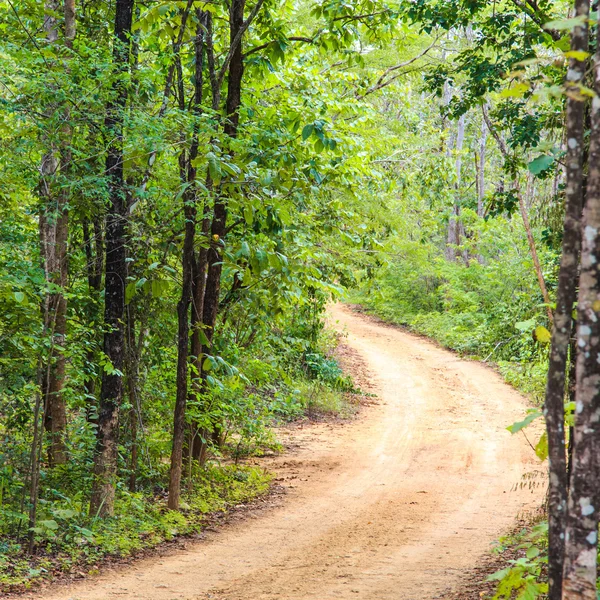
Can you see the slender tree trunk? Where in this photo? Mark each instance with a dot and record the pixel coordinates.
(132, 371)
(481, 170)
(35, 457)
(533, 250)
(581, 537)
(453, 238)
(525, 217)
(53, 241)
(219, 221)
(182, 350)
(188, 178)
(554, 411)
(571, 394)
(94, 250)
(105, 460)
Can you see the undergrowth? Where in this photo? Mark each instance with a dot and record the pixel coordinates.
(68, 540)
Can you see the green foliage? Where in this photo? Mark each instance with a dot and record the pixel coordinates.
(523, 579)
(67, 539)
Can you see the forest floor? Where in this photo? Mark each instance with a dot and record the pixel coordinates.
(401, 503)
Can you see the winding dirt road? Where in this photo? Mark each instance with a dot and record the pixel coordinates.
(393, 506)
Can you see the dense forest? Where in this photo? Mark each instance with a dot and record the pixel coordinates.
(185, 186)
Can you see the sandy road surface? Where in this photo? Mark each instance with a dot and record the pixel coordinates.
(393, 506)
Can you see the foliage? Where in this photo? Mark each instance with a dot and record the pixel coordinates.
(69, 540)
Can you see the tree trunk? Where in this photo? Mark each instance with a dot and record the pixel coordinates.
(481, 170)
(93, 253)
(219, 221)
(105, 460)
(188, 178)
(581, 537)
(132, 371)
(554, 411)
(525, 217)
(533, 250)
(53, 225)
(182, 349)
(453, 239)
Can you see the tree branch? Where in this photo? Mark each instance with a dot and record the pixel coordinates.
(294, 38)
(382, 82)
(532, 10)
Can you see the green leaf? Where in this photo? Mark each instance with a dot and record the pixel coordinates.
(214, 166)
(541, 448)
(159, 287)
(518, 90)
(307, 131)
(130, 292)
(566, 24)
(19, 297)
(532, 416)
(540, 164)
(525, 325)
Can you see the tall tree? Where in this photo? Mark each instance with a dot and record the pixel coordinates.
(53, 228)
(105, 460)
(554, 411)
(453, 239)
(581, 537)
(188, 180)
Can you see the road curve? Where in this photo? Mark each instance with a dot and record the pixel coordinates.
(393, 506)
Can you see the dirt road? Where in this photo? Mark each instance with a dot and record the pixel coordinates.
(394, 506)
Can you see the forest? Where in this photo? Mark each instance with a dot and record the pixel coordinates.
(188, 186)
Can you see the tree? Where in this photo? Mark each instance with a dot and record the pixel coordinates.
(554, 411)
(105, 461)
(581, 535)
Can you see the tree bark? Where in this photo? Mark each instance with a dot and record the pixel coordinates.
(554, 411)
(105, 460)
(219, 221)
(188, 178)
(581, 537)
(182, 349)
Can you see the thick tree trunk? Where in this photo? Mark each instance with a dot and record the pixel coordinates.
(105, 460)
(581, 537)
(555, 388)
